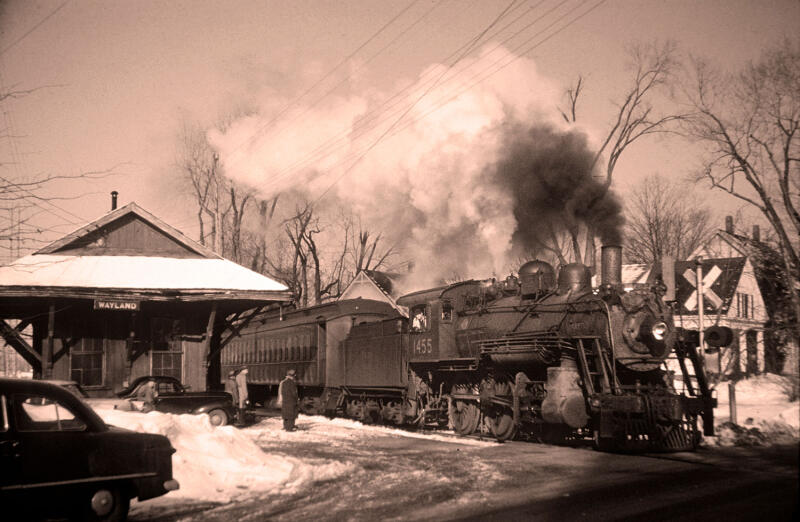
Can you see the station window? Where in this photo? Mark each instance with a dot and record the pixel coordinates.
(167, 355)
(86, 362)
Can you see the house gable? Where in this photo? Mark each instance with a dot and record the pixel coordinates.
(129, 235)
(128, 231)
(720, 245)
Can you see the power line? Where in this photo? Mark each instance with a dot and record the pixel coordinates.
(269, 123)
(35, 27)
(480, 80)
(469, 47)
(331, 144)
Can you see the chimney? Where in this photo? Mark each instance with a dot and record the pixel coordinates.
(729, 224)
(611, 265)
(114, 194)
(756, 233)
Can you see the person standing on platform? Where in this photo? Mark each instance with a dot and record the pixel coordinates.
(287, 394)
(241, 388)
(231, 387)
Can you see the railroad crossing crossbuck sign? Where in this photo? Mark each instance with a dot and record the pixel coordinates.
(708, 280)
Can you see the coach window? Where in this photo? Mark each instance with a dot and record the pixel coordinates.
(447, 311)
(419, 318)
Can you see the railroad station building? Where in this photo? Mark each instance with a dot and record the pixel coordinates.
(127, 295)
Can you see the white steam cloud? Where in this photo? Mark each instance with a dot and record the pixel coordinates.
(427, 182)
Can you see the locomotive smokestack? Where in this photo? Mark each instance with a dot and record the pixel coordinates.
(114, 195)
(611, 265)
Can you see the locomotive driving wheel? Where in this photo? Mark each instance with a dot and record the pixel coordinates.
(502, 425)
(464, 416)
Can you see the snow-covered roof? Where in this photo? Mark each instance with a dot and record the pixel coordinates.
(370, 284)
(130, 251)
(635, 273)
(133, 272)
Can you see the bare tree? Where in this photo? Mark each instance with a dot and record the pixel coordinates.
(198, 162)
(662, 219)
(24, 198)
(749, 124)
(258, 239)
(366, 249)
(653, 67)
(221, 202)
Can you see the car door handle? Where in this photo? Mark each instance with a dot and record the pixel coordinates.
(10, 448)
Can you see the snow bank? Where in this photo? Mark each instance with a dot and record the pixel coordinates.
(222, 463)
(218, 464)
(763, 412)
(317, 428)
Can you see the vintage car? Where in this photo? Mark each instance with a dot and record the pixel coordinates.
(59, 459)
(173, 397)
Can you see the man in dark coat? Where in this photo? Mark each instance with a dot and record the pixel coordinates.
(241, 395)
(287, 393)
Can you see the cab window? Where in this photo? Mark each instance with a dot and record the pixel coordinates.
(447, 311)
(419, 318)
(39, 413)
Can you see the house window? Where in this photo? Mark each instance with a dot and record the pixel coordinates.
(744, 305)
(167, 355)
(86, 362)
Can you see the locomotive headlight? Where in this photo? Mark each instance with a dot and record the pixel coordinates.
(659, 330)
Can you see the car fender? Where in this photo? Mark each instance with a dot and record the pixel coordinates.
(227, 406)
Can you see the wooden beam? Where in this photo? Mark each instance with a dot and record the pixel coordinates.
(212, 318)
(15, 340)
(236, 329)
(66, 344)
(47, 355)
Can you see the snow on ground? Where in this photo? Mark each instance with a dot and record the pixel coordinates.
(764, 414)
(316, 428)
(220, 464)
(223, 463)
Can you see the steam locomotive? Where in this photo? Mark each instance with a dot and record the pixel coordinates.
(541, 356)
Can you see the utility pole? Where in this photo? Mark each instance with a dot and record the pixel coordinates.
(700, 302)
(217, 216)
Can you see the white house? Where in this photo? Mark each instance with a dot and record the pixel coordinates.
(766, 284)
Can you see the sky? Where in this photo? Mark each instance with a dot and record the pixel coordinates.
(113, 82)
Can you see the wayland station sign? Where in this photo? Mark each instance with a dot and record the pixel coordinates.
(116, 304)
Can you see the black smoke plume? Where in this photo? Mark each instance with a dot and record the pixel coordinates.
(554, 187)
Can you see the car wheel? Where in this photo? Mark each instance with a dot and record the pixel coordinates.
(107, 504)
(218, 417)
